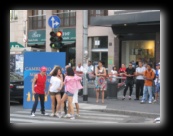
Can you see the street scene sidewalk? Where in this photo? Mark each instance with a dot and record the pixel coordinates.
(119, 106)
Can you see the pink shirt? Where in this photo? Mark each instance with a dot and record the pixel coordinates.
(72, 83)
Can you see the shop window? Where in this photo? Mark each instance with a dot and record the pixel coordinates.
(143, 50)
(99, 42)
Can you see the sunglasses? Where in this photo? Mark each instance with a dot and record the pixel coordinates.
(130, 65)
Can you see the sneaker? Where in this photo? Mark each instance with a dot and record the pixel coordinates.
(155, 101)
(58, 115)
(72, 118)
(123, 98)
(142, 102)
(149, 102)
(129, 97)
(67, 116)
(45, 114)
(77, 115)
(32, 114)
(152, 98)
(52, 114)
(136, 99)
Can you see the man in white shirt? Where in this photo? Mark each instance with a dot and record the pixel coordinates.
(90, 71)
(139, 80)
(79, 68)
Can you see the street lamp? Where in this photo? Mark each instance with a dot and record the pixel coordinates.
(85, 53)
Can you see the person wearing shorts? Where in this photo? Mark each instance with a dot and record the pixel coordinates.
(75, 101)
(72, 84)
(55, 87)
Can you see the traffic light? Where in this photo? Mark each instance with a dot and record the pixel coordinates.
(53, 39)
(59, 35)
(56, 40)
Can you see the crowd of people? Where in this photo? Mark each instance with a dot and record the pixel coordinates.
(64, 88)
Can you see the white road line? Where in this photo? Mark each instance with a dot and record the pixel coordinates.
(54, 119)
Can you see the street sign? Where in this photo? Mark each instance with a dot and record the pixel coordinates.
(54, 21)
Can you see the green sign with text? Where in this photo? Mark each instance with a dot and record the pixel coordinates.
(68, 34)
(37, 37)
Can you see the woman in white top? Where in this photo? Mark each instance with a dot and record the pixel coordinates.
(55, 87)
(113, 74)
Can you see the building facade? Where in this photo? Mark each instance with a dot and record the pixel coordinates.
(104, 43)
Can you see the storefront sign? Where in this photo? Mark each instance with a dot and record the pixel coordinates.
(37, 37)
(69, 34)
(15, 45)
(33, 61)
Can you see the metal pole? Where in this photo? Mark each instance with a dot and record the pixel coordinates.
(85, 53)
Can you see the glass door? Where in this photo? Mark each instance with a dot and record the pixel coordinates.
(96, 56)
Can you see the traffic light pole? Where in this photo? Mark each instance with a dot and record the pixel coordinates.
(85, 53)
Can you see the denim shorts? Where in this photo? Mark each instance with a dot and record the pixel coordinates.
(54, 93)
(157, 88)
(68, 93)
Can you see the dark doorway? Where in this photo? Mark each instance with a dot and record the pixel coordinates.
(70, 50)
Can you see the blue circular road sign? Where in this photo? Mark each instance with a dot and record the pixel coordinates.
(54, 21)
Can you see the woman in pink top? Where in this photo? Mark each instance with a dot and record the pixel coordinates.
(72, 83)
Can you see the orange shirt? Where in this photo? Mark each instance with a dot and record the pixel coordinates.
(149, 74)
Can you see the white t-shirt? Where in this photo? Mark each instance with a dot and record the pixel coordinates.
(90, 69)
(140, 69)
(55, 84)
(113, 76)
(79, 69)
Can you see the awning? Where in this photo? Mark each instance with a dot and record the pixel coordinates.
(15, 45)
(68, 42)
(36, 43)
(140, 18)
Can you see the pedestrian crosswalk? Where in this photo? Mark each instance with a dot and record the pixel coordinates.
(86, 117)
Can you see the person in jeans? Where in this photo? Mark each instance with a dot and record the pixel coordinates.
(148, 77)
(38, 89)
(130, 73)
(139, 80)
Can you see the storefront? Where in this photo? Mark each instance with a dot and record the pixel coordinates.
(138, 50)
(137, 36)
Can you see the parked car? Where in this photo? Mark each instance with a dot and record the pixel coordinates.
(16, 87)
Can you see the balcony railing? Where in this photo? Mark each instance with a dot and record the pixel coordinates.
(37, 22)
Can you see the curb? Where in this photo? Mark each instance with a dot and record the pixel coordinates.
(132, 113)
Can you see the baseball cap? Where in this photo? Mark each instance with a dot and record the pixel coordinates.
(43, 68)
(158, 64)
